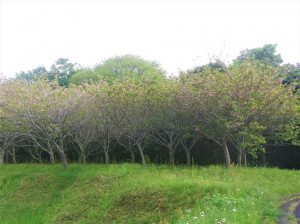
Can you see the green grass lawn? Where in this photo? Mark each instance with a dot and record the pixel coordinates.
(126, 193)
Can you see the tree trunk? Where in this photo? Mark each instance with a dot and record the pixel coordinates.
(6, 156)
(51, 154)
(239, 157)
(189, 148)
(105, 147)
(245, 159)
(13, 155)
(83, 157)
(226, 154)
(142, 153)
(132, 156)
(172, 160)
(188, 157)
(106, 156)
(1, 156)
(63, 159)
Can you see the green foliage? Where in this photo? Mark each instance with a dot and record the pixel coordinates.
(216, 65)
(287, 133)
(33, 75)
(128, 97)
(127, 67)
(84, 76)
(291, 74)
(265, 55)
(120, 69)
(230, 103)
(62, 70)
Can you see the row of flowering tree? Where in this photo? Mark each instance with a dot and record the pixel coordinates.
(243, 105)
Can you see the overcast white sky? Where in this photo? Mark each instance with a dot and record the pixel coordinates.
(178, 34)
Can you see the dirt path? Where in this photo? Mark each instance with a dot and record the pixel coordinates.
(297, 213)
(285, 208)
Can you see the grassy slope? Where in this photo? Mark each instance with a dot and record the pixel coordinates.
(128, 193)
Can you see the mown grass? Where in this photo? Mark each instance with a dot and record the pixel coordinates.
(129, 193)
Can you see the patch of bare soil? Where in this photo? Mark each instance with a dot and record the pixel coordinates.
(286, 206)
(297, 213)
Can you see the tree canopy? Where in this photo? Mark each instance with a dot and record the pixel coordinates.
(265, 55)
(62, 70)
(127, 103)
(120, 68)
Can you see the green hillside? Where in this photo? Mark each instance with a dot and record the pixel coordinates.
(126, 193)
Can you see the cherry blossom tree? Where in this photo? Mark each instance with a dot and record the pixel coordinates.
(103, 112)
(43, 107)
(82, 128)
(229, 102)
(165, 117)
(131, 113)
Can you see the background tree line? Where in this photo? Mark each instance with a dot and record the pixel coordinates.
(126, 107)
